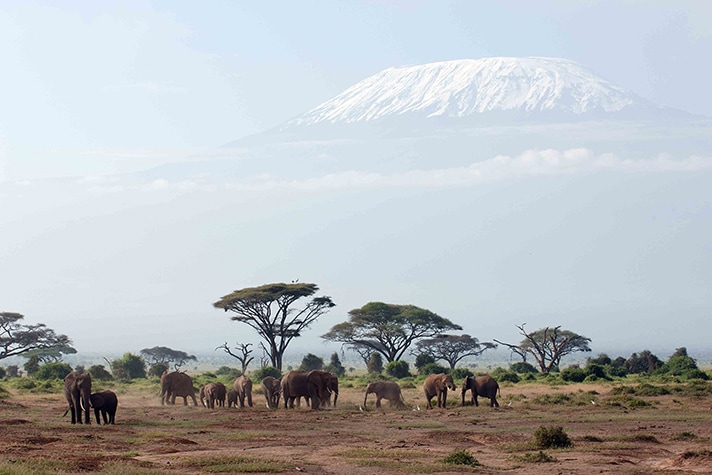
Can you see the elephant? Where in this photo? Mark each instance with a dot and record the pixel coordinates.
(437, 385)
(385, 390)
(484, 386)
(177, 384)
(243, 387)
(232, 398)
(213, 393)
(105, 402)
(272, 388)
(333, 389)
(77, 390)
(312, 385)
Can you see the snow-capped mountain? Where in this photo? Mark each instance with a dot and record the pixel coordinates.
(518, 88)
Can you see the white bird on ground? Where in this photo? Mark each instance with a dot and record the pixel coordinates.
(360, 407)
(593, 402)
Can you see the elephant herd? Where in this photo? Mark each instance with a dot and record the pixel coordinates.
(318, 388)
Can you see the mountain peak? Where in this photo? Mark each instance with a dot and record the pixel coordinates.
(473, 88)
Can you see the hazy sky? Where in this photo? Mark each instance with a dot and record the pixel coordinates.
(609, 237)
(96, 87)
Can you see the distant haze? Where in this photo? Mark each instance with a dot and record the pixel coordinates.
(494, 191)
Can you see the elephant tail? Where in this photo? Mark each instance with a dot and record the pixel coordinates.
(65, 413)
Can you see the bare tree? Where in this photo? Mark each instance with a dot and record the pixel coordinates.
(244, 357)
(548, 345)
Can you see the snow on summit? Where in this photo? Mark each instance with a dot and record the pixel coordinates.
(465, 88)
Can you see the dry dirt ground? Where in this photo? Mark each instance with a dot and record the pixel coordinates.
(611, 433)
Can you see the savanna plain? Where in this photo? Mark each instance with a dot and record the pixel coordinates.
(625, 426)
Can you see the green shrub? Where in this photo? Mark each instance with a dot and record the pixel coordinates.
(229, 373)
(261, 373)
(461, 457)
(551, 438)
(460, 373)
(423, 359)
(523, 367)
(430, 368)
(596, 370)
(52, 371)
(99, 373)
(398, 369)
(573, 374)
(310, 362)
(129, 367)
(2, 372)
(335, 367)
(157, 369)
(538, 457)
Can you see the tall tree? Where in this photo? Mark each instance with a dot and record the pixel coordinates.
(17, 338)
(268, 310)
(388, 329)
(548, 345)
(166, 356)
(452, 348)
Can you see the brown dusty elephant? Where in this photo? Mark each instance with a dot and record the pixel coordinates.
(177, 384)
(220, 394)
(232, 398)
(105, 402)
(77, 390)
(385, 390)
(272, 388)
(312, 385)
(332, 387)
(209, 395)
(484, 386)
(437, 385)
(243, 387)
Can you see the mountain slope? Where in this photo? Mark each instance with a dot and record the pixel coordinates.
(516, 87)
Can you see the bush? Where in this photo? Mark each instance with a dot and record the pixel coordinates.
(2, 372)
(310, 362)
(551, 438)
(398, 369)
(263, 372)
(335, 367)
(596, 370)
(129, 367)
(573, 374)
(460, 373)
(430, 368)
(53, 371)
(423, 359)
(230, 373)
(157, 369)
(99, 373)
(375, 363)
(13, 371)
(509, 376)
(461, 457)
(523, 368)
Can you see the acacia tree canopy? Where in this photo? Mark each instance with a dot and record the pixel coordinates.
(17, 338)
(165, 355)
(268, 310)
(452, 348)
(388, 329)
(548, 345)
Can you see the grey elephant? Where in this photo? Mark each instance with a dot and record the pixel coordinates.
(484, 386)
(385, 390)
(220, 393)
(332, 386)
(272, 389)
(437, 385)
(232, 398)
(312, 386)
(208, 395)
(243, 387)
(105, 402)
(177, 384)
(77, 391)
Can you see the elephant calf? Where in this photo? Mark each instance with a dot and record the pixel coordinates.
(437, 385)
(272, 389)
(232, 398)
(105, 402)
(484, 386)
(385, 390)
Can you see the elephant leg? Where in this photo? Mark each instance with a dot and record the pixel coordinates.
(474, 398)
(378, 401)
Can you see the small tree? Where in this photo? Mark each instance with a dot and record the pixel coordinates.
(166, 356)
(452, 348)
(17, 339)
(32, 365)
(310, 362)
(243, 357)
(99, 373)
(157, 369)
(548, 345)
(53, 371)
(422, 359)
(645, 362)
(388, 329)
(268, 310)
(398, 369)
(375, 363)
(335, 366)
(129, 366)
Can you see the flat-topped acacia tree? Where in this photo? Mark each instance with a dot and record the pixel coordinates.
(268, 310)
(388, 329)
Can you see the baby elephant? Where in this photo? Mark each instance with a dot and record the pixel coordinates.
(106, 402)
(232, 398)
(484, 386)
(385, 390)
(437, 385)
